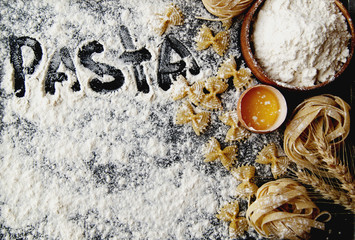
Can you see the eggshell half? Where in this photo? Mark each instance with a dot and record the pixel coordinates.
(282, 106)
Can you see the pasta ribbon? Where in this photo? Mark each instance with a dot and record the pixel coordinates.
(199, 121)
(205, 39)
(269, 155)
(283, 210)
(245, 174)
(226, 9)
(229, 213)
(315, 140)
(237, 132)
(171, 16)
(318, 126)
(241, 77)
(228, 156)
(181, 89)
(214, 86)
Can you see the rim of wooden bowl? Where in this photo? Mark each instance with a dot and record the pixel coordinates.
(257, 70)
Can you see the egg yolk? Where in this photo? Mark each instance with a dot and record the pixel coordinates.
(260, 108)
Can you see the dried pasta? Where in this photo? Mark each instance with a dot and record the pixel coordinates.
(237, 132)
(213, 151)
(241, 77)
(318, 126)
(181, 89)
(171, 16)
(229, 213)
(269, 155)
(199, 121)
(205, 39)
(226, 9)
(312, 140)
(245, 174)
(214, 86)
(282, 209)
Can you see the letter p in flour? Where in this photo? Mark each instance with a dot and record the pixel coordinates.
(22, 68)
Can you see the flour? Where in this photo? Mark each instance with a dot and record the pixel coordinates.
(81, 164)
(300, 43)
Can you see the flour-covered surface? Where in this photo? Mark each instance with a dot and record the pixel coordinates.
(89, 148)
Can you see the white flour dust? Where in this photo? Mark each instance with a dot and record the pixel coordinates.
(80, 164)
(301, 43)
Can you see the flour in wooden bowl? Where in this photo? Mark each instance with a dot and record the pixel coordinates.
(300, 43)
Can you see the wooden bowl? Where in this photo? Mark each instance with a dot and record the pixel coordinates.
(247, 48)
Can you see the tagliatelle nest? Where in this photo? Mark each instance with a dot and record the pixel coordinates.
(315, 140)
(226, 9)
(319, 125)
(283, 210)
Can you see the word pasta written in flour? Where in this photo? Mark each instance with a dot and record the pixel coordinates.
(167, 70)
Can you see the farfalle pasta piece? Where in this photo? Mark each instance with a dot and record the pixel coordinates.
(181, 89)
(269, 155)
(241, 77)
(245, 174)
(214, 86)
(205, 39)
(283, 210)
(237, 132)
(213, 151)
(229, 213)
(199, 121)
(171, 16)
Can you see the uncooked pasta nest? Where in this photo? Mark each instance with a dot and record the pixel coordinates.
(282, 209)
(226, 9)
(319, 124)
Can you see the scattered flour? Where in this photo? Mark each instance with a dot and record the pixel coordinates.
(300, 43)
(88, 165)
